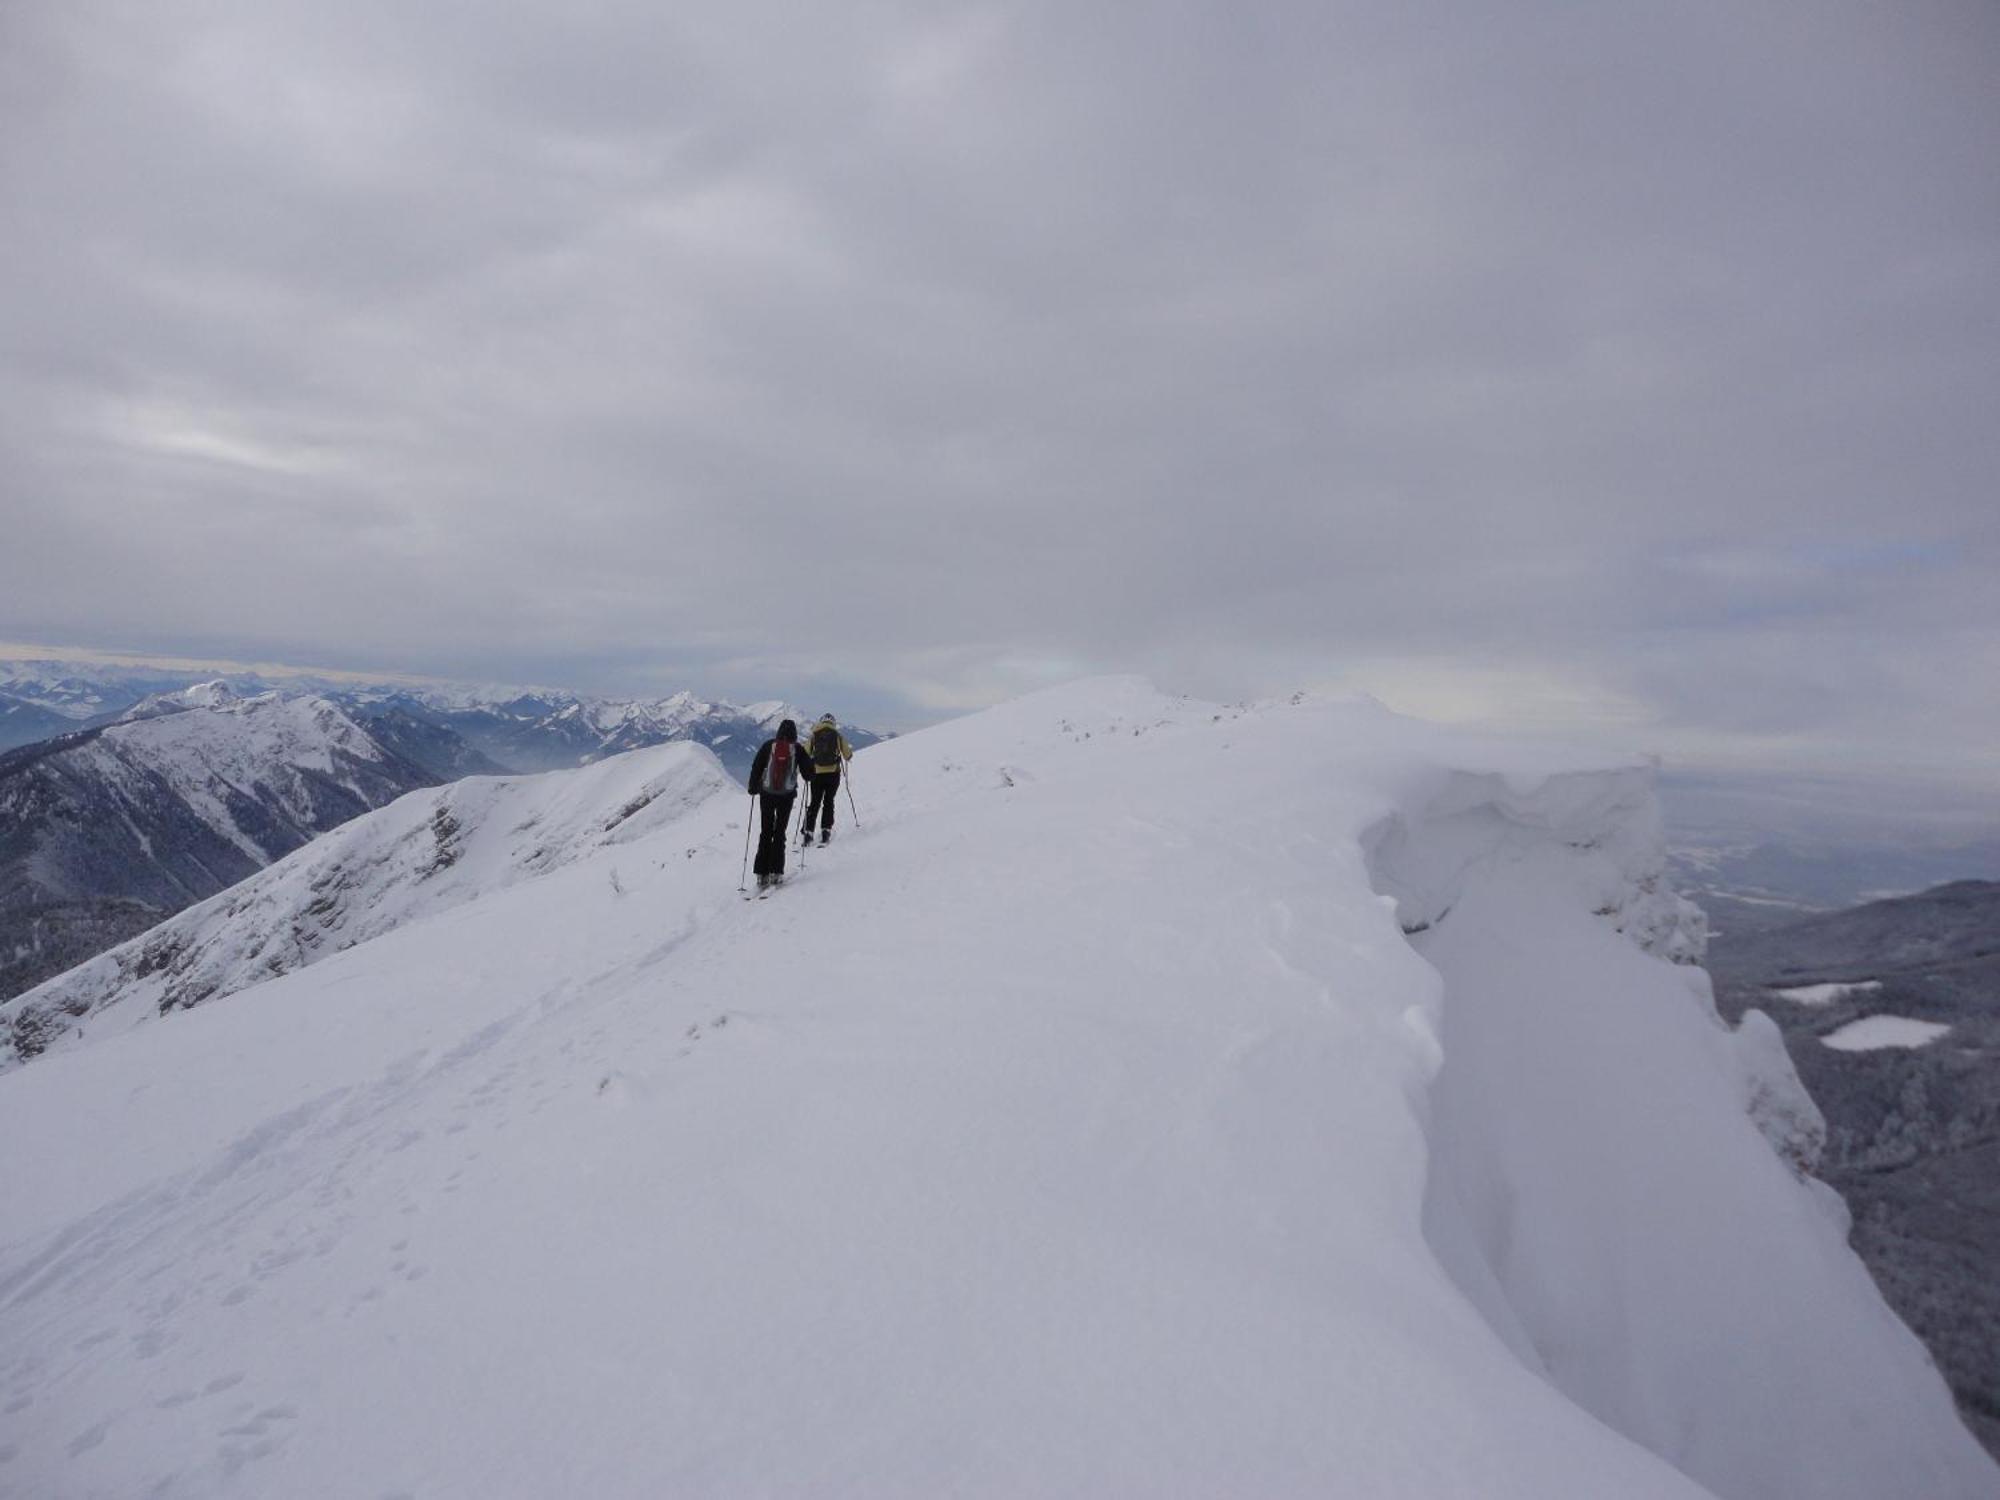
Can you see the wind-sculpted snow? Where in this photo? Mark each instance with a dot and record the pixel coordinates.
(1147, 1098)
(425, 853)
(1468, 823)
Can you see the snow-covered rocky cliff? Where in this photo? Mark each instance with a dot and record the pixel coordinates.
(1149, 1097)
(104, 832)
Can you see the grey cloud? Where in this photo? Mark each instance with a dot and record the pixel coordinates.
(936, 352)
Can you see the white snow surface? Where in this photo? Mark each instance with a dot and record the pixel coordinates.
(1871, 1033)
(1826, 994)
(1083, 1123)
(425, 853)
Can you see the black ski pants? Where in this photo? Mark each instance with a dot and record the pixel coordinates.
(777, 812)
(819, 811)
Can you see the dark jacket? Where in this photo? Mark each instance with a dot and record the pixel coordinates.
(801, 760)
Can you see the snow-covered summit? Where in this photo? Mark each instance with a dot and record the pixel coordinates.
(1149, 1097)
(212, 694)
(207, 735)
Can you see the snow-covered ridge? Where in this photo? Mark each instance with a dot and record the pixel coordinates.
(211, 734)
(425, 853)
(247, 766)
(110, 830)
(1149, 1097)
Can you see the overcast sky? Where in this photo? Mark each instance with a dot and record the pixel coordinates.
(1632, 368)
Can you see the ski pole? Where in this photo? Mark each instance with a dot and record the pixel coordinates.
(744, 883)
(848, 782)
(804, 808)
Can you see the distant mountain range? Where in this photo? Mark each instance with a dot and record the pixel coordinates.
(500, 729)
(551, 731)
(40, 698)
(1891, 1013)
(23, 722)
(1758, 850)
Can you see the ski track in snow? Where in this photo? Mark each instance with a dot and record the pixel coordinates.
(1065, 1128)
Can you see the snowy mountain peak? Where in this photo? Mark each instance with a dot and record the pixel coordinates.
(1146, 1097)
(211, 694)
(215, 694)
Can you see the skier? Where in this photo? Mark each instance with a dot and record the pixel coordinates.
(774, 782)
(830, 753)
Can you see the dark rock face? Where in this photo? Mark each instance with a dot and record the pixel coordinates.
(423, 741)
(1913, 1132)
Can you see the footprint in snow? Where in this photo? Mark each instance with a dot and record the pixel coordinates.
(89, 1438)
(620, 1089)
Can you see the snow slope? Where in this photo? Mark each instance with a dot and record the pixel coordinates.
(1074, 1126)
(423, 854)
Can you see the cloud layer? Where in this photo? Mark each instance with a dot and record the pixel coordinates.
(1625, 365)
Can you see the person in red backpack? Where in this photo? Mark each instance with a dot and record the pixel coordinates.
(774, 781)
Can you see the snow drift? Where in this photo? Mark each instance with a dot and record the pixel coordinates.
(1151, 1098)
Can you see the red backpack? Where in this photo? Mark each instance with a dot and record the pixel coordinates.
(781, 769)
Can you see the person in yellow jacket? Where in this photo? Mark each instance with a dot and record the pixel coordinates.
(828, 750)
